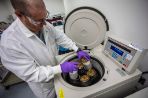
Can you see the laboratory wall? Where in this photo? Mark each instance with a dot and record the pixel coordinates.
(4, 11)
(127, 18)
(55, 6)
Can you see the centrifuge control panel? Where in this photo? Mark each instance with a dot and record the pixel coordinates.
(120, 52)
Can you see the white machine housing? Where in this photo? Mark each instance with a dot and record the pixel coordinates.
(114, 84)
(87, 28)
(124, 53)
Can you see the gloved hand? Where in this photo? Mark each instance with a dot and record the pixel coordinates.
(81, 54)
(69, 67)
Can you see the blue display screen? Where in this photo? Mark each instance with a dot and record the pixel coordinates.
(117, 50)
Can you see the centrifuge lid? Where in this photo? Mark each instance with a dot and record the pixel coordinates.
(86, 26)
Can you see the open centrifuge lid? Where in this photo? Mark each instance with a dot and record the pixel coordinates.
(86, 26)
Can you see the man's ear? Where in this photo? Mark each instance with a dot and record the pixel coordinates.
(18, 14)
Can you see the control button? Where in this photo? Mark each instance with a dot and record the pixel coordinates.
(114, 55)
(120, 62)
(124, 57)
(129, 57)
(125, 65)
(120, 59)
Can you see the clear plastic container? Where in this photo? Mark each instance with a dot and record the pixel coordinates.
(88, 65)
(73, 75)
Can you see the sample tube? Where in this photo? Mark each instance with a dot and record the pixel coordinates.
(73, 75)
(88, 65)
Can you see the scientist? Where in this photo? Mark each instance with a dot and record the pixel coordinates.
(29, 46)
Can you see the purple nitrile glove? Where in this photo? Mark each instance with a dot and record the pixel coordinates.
(69, 67)
(84, 54)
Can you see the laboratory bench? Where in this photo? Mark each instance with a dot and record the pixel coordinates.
(7, 78)
(139, 94)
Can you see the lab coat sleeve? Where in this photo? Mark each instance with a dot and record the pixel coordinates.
(63, 40)
(25, 67)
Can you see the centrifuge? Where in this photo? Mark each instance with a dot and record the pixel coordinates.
(111, 59)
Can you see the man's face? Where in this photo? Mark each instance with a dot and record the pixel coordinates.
(36, 19)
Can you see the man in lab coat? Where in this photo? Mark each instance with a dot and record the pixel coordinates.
(29, 46)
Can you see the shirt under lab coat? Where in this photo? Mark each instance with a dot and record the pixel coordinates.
(24, 54)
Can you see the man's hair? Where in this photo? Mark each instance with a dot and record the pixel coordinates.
(20, 5)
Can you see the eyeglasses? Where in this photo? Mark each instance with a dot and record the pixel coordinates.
(37, 22)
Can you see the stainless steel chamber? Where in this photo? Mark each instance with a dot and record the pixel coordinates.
(97, 66)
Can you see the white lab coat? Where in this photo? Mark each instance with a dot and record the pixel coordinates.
(23, 53)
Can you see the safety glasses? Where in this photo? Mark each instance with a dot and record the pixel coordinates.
(37, 22)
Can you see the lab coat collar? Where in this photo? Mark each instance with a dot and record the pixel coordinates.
(24, 29)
